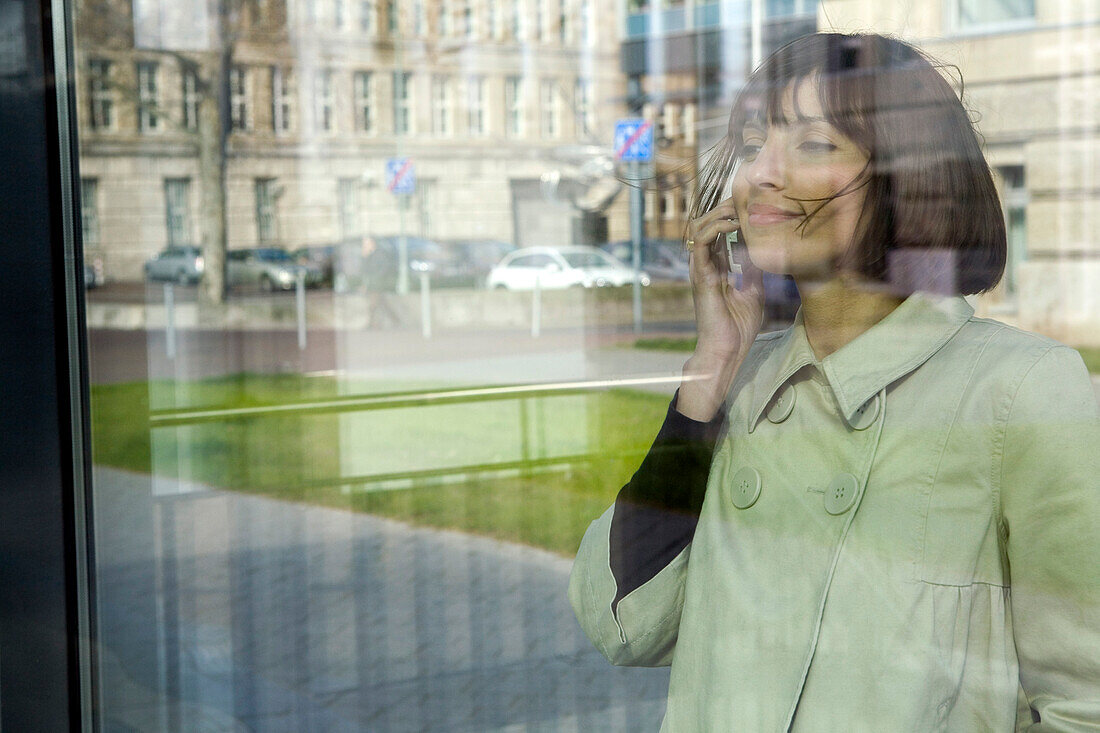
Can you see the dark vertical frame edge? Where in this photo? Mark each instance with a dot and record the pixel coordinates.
(71, 357)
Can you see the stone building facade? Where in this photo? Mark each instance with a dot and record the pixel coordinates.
(479, 94)
(1031, 71)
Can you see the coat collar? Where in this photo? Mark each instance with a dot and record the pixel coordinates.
(893, 347)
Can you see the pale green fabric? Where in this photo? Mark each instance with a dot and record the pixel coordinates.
(963, 586)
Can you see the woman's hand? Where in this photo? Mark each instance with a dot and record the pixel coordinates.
(727, 319)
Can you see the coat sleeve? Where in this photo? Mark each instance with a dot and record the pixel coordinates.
(1050, 512)
(627, 583)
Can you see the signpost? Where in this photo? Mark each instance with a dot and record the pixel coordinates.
(634, 146)
(401, 182)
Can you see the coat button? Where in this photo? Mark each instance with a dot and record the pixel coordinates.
(841, 493)
(782, 405)
(746, 487)
(867, 413)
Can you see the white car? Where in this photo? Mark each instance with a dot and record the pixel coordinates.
(555, 268)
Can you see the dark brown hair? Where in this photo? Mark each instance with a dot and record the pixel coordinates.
(928, 186)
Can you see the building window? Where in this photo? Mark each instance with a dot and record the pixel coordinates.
(101, 97)
(1015, 198)
(565, 26)
(513, 106)
(469, 19)
(347, 201)
(364, 101)
(587, 23)
(442, 106)
(667, 128)
(420, 19)
(366, 16)
(550, 106)
(969, 14)
(540, 20)
(475, 106)
(238, 98)
(89, 212)
(190, 100)
(518, 28)
(668, 200)
(789, 8)
(324, 101)
(281, 96)
(687, 121)
(585, 111)
(267, 229)
(446, 18)
(391, 16)
(177, 208)
(492, 19)
(310, 11)
(684, 188)
(147, 96)
(402, 105)
(338, 15)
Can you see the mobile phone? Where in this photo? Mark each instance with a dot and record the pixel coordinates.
(728, 252)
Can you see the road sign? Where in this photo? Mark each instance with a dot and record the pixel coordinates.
(400, 176)
(634, 140)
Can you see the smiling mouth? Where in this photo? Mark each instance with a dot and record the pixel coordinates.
(761, 215)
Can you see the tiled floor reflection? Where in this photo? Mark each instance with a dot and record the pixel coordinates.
(224, 612)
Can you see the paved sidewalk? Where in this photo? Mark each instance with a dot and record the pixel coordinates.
(225, 612)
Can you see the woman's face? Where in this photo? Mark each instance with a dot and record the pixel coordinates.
(785, 172)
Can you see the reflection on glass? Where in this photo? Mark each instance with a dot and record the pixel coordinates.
(328, 501)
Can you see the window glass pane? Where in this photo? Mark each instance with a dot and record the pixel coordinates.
(177, 199)
(976, 13)
(369, 357)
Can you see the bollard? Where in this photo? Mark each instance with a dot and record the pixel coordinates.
(170, 320)
(300, 297)
(425, 306)
(536, 309)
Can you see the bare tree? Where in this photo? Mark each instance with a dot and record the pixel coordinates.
(109, 25)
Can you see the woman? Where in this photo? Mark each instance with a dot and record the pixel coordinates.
(886, 517)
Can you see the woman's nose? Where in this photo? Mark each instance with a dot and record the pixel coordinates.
(767, 169)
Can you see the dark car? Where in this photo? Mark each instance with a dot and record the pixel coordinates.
(445, 267)
(663, 259)
(479, 255)
(666, 259)
(322, 257)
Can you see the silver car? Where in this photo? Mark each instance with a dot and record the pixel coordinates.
(183, 265)
(270, 268)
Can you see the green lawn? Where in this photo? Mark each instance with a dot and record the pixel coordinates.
(335, 458)
(1091, 355)
(666, 344)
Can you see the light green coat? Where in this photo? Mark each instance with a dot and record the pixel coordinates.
(959, 588)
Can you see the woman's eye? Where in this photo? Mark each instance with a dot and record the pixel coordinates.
(817, 146)
(750, 150)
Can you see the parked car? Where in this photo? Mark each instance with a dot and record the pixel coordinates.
(270, 268)
(183, 265)
(561, 267)
(663, 259)
(666, 259)
(478, 255)
(444, 266)
(320, 256)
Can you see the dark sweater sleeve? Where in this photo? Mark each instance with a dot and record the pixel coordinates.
(656, 513)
